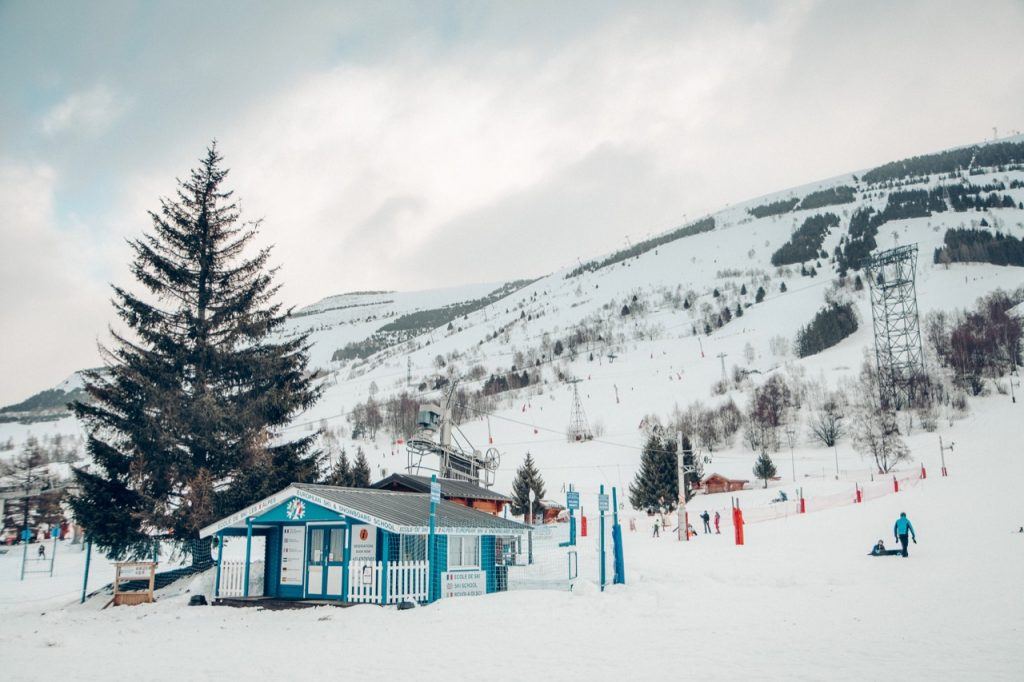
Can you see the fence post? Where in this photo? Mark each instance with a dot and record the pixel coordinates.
(924, 472)
(248, 550)
(384, 569)
(803, 502)
(895, 484)
(220, 556)
(85, 578)
(431, 550)
(601, 510)
(737, 521)
(617, 553)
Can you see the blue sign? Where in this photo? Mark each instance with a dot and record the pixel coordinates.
(435, 492)
(602, 503)
(572, 499)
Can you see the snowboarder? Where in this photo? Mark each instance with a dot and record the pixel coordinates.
(718, 519)
(706, 518)
(901, 529)
(656, 534)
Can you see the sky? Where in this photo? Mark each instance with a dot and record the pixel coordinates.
(426, 144)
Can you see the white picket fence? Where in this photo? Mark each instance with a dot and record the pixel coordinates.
(406, 581)
(232, 579)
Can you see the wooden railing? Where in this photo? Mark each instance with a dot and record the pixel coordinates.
(232, 579)
(406, 581)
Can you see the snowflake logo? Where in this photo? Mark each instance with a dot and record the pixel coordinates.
(296, 509)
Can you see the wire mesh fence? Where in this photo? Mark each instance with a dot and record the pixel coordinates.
(721, 517)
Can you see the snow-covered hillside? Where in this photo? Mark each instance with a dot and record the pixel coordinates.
(658, 356)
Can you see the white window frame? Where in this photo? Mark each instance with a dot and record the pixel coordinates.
(463, 564)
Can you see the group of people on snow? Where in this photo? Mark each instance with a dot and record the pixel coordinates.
(903, 531)
(705, 517)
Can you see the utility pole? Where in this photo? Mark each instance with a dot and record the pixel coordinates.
(791, 437)
(722, 356)
(408, 371)
(682, 522)
(942, 453)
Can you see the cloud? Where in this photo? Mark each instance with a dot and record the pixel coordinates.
(53, 311)
(412, 148)
(89, 112)
(362, 170)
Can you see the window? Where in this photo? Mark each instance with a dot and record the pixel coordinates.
(336, 548)
(463, 551)
(316, 545)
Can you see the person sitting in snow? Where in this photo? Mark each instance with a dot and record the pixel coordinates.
(880, 550)
(901, 529)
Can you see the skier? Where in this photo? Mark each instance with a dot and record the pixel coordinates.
(656, 534)
(706, 518)
(42, 551)
(718, 518)
(901, 529)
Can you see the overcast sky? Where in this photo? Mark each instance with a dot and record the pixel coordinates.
(411, 146)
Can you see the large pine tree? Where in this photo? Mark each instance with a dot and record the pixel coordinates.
(184, 422)
(527, 479)
(656, 486)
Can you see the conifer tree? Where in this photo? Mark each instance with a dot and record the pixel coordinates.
(341, 472)
(759, 296)
(527, 478)
(655, 489)
(764, 467)
(185, 420)
(360, 471)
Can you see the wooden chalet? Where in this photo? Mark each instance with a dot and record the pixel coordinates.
(717, 483)
(466, 493)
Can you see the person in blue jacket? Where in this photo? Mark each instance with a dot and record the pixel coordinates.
(902, 529)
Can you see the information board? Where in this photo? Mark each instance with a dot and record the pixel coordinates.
(602, 503)
(364, 543)
(572, 499)
(463, 583)
(435, 492)
(293, 549)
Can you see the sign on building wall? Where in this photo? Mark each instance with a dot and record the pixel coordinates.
(463, 583)
(364, 543)
(293, 548)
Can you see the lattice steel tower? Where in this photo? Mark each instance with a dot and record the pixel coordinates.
(891, 278)
(579, 429)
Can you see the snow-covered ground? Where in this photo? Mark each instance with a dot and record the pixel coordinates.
(800, 600)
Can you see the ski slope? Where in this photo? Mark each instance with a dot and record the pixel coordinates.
(800, 600)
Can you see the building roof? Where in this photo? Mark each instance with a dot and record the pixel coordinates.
(398, 512)
(450, 487)
(725, 478)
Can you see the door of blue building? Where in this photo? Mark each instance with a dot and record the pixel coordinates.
(325, 561)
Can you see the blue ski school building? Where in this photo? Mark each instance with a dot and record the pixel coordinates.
(360, 545)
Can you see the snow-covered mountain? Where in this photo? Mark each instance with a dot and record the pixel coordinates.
(639, 327)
